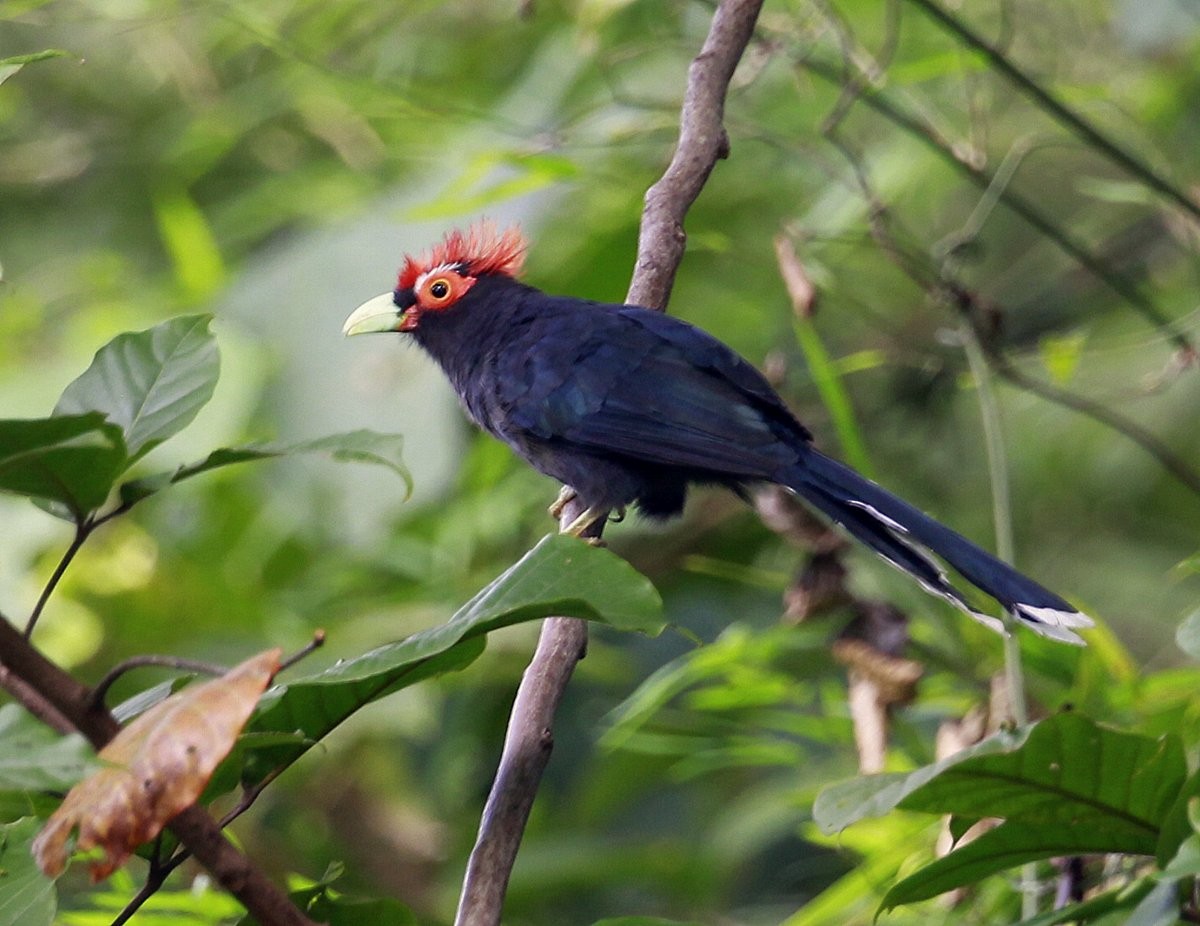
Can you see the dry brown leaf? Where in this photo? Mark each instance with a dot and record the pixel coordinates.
(157, 767)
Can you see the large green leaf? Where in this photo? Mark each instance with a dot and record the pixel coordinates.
(71, 461)
(559, 576)
(33, 757)
(1006, 846)
(361, 446)
(27, 897)
(151, 383)
(847, 802)
(1070, 769)
(1074, 787)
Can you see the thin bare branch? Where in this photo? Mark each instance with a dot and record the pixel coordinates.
(1065, 240)
(1059, 110)
(563, 641)
(702, 142)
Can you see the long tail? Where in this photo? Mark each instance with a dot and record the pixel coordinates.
(904, 535)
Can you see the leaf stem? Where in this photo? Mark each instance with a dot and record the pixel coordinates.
(83, 530)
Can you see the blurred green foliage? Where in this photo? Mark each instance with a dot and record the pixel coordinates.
(270, 162)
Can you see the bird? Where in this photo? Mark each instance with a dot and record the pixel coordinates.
(625, 405)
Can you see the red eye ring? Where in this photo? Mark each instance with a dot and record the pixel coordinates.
(443, 289)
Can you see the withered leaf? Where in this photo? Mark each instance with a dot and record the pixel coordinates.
(156, 767)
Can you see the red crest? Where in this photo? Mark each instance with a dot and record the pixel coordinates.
(481, 250)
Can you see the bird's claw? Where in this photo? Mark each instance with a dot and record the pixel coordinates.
(566, 495)
(589, 517)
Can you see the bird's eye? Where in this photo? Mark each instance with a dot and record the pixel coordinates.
(442, 289)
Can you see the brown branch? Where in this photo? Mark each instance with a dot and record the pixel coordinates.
(702, 142)
(563, 641)
(527, 746)
(76, 703)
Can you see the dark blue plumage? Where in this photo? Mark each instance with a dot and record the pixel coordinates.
(629, 406)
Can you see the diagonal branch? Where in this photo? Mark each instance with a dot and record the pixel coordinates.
(1039, 219)
(1060, 111)
(563, 641)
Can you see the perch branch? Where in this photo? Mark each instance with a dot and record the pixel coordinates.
(702, 142)
(563, 641)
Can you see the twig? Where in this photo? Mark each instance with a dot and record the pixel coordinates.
(1167, 458)
(993, 440)
(1067, 242)
(317, 641)
(150, 659)
(32, 700)
(1059, 110)
(563, 641)
(921, 272)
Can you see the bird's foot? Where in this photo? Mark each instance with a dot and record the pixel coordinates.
(589, 517)
(566, 495)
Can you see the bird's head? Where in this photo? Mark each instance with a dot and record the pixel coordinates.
(437, 280)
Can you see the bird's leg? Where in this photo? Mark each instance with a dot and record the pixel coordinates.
(589, 517)
(565, 496)
(617, 516)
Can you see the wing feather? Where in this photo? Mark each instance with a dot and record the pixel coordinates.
(648, 387)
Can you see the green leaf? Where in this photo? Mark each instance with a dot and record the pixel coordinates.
(338, 910)
(1186, 862)
(361, 446)
(189, 240)
(1179, 822)
(196, 904)
(34, 758)
(833, 394)
(1069, 770)
(559, 576)
(494, 177)
(1072, 788)
(1119, 900)
(72, 461)
(11, 65)
(27, 897)
(847, 802)
(151, 383)
(1008, 845)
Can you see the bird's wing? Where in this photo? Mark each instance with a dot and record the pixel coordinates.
(645, 386)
